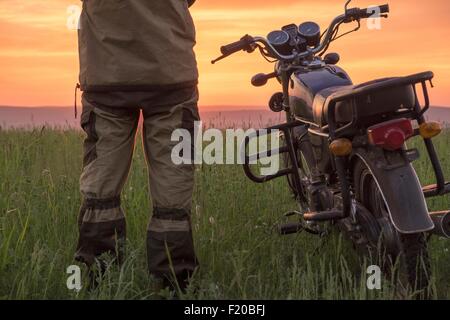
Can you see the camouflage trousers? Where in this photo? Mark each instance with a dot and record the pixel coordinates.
(110, 121)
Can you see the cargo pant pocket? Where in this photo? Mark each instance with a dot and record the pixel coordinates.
(189, 120)
(88, 119)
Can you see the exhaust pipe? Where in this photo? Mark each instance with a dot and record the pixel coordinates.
(441, 220)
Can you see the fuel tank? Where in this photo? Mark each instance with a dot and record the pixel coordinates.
(305, 84)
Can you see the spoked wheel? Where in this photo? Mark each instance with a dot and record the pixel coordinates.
(313, 197)
(303, 171)
(407, 254)
(302, 166)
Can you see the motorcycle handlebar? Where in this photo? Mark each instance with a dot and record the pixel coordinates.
(246, 41)
(383, 8)
(243, 44)
(356, 13)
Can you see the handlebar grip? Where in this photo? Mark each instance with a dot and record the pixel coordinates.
(236, 46)
(384, 8)
(369, 12)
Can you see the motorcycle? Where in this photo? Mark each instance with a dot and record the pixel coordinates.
(345, 153)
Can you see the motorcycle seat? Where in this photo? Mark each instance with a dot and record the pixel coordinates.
(377, 97)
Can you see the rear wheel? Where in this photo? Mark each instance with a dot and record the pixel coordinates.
(406, 254)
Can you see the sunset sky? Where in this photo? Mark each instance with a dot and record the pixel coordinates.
(39, 63)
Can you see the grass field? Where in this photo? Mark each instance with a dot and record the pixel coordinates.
(241, 255)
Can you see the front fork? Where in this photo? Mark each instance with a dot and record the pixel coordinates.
(316, 200)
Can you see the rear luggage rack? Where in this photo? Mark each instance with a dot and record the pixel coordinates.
(332, 128)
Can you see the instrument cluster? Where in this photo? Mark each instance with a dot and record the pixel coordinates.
(292, 37)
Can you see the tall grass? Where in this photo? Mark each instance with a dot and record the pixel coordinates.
(240, 253)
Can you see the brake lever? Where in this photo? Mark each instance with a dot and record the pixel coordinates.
(219, 58)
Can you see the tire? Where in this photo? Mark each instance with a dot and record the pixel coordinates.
(303, 173)
(302, 165)
(403, 255)
(416, 262)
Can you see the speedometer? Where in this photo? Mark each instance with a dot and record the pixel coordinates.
(310, 31)
(280, 41)
(278, 38)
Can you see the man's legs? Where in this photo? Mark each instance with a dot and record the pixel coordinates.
(108, 150)
(170, 246)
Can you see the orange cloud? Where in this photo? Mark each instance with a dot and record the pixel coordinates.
(39, 64)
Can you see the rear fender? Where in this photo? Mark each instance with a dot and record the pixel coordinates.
(400, 188)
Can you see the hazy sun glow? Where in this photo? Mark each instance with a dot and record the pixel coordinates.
(39, 63)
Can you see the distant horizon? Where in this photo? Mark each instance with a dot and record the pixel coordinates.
(210, 107)
(217, 116)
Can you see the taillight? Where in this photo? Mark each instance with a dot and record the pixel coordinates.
(391, 135)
